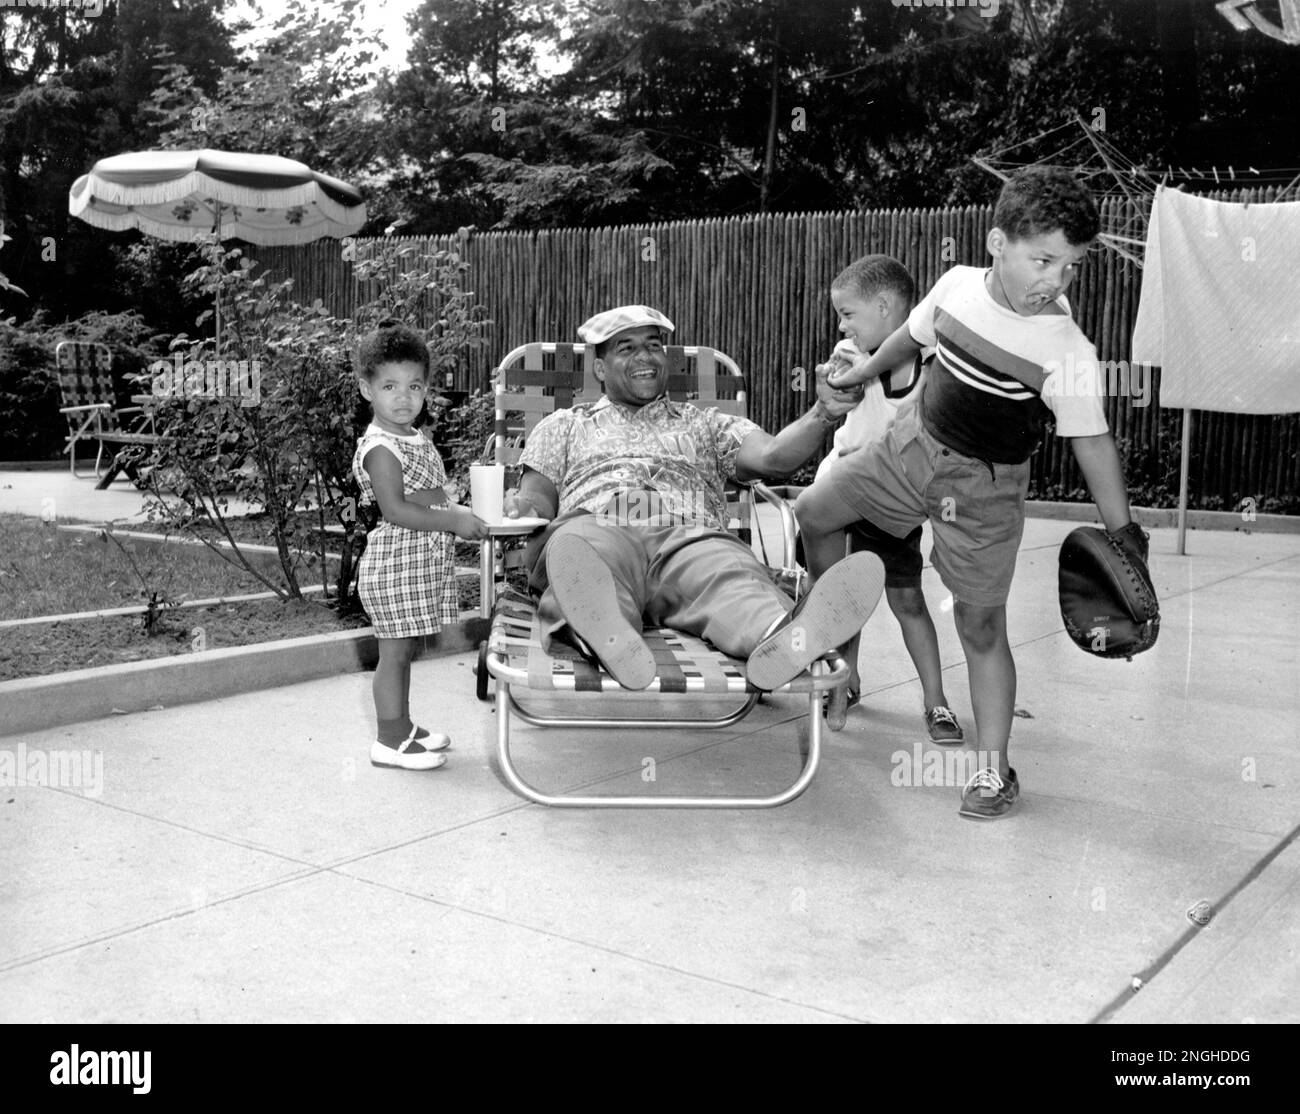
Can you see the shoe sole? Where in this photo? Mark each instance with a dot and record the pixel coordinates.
(836, 609)
(588, 598)
(987, 815)
(390, 759)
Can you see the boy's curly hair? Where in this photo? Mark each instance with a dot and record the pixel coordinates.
(1041, 199)
(867, 276)
(391, 342)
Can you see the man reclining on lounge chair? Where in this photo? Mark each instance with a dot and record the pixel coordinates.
(634, 485)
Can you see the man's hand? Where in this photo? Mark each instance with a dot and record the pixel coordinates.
(898, 348)
(836, 402)
(535, 497)
(845, 367)
(847, 352)
(516, 505)
(512, 506)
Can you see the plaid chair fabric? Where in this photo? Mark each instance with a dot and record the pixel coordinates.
(84, 372)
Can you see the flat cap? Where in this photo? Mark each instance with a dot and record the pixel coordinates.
(613, 321)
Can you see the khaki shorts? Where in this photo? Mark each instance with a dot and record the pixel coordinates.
(976, 509)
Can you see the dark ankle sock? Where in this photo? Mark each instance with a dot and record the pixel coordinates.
(393, 732)
(420, 732)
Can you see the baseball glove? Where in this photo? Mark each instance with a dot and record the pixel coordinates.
(1107, 600)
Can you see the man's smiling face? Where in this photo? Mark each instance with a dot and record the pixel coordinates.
(634, 367)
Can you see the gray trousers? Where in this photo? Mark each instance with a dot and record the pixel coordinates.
(694, 579)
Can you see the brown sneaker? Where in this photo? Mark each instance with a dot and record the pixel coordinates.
(988, 796)
(943, 725)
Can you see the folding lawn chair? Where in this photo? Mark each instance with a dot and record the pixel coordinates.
(536, 380)
(90, 405)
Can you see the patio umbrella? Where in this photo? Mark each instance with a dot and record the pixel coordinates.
(186, 195)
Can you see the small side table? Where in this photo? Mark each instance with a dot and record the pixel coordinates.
(510, 528)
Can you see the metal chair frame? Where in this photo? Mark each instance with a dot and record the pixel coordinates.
(83, 369)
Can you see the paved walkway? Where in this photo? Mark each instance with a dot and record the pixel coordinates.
(53, 493)
(240, 860)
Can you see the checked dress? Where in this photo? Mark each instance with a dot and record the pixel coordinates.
(406, 580)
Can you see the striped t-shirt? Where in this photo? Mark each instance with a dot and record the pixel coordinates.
(996, 373)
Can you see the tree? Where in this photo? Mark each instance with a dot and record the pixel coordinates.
(306, 95)
(683, 108)
(489, 140)
(71, 89)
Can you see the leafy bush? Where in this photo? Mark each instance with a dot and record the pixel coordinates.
(31, 427)
(293, 448)
(1151, 471)
(462, 434)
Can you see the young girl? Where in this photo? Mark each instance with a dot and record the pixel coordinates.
(406, 579)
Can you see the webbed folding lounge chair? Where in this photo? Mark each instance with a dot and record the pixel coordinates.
(531, 382)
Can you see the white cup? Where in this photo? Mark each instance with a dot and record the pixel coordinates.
(487, 489)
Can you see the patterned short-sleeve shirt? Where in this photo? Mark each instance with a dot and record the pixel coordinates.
(679, 453)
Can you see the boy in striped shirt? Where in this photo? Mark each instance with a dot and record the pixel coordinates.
(1007, 352)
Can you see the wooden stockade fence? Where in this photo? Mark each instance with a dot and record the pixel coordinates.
(758, 288)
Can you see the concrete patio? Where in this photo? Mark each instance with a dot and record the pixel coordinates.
(240, 860)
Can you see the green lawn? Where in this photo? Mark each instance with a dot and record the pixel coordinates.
(47, 571)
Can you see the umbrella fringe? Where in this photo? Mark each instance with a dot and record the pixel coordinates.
(288, 235)
(83, 198)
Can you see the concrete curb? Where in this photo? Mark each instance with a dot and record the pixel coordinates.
(1167, 518)
(36, 703)
(150, 538)
(114, 612)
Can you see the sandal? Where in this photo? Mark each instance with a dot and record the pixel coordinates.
(836, 705)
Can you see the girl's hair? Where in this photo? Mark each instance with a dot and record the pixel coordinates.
(867, 276)
(1041, 199)
(391, 342)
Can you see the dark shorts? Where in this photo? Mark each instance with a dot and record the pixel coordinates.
(901, 556)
